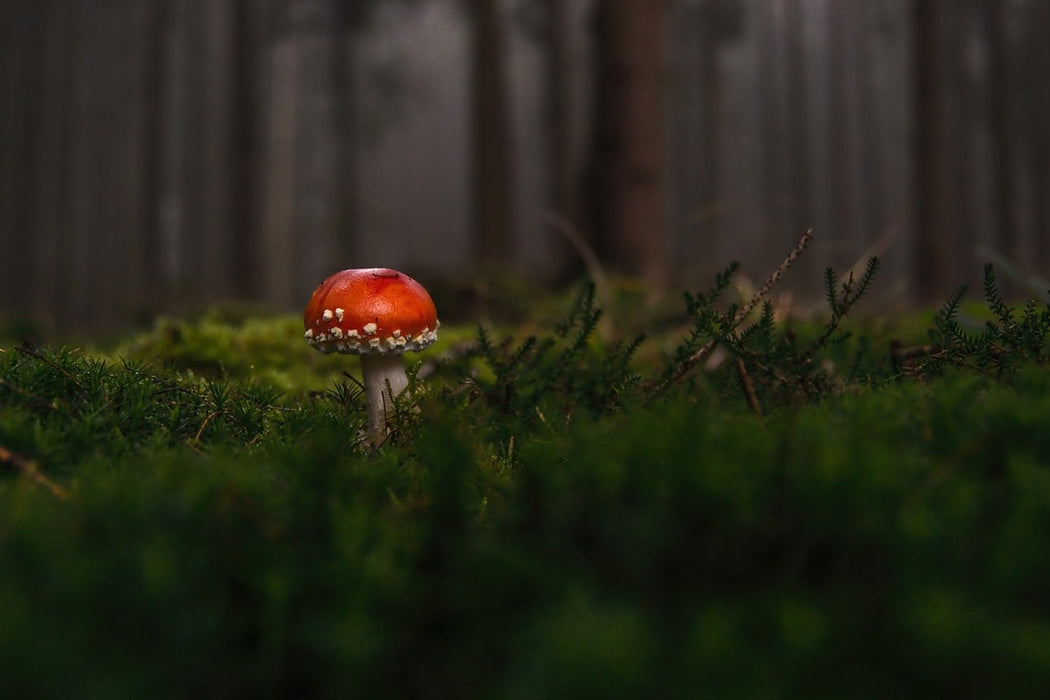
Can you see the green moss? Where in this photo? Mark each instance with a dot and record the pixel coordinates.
(547, 527)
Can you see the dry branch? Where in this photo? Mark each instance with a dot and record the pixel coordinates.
(28, 469)
(748, 386)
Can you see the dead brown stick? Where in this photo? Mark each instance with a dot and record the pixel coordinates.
(28, 469)
(208, 419)
(749, 387)
(764, 290)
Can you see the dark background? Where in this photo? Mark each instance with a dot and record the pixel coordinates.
(163, 155)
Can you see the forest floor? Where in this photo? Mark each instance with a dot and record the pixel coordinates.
(740, 504)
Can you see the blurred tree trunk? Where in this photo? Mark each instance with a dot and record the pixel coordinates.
(152, 134)
(1000, 97)
(556, 106)
(21, 33)
(960, 96)
(214, 25)
(628, 178)
(104, 279)
(560, 166)
(770, 79)
(173, 144)
(1035, 69)
(784, 112)
(930, 243)
(316, 178)
(51, 226)
(685, 132)
(347, 136)
(873, 205)
(800, 215)
(842, 76)
(491, 144)
(302, 153)
(191, 240)
(245, 136)
(278, 231)
(710, 112)
(717, 21)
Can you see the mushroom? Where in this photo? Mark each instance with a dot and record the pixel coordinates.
(379, 314)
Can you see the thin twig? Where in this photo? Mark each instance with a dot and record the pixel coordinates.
(590, 261)
(587, 254)
(207, 419)
(749, 387)
(764, 290)
(29, 469)
(189, 444)
(32, 353)
(354, 380)
(743, 312)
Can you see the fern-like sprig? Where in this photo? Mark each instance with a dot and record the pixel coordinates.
(1009, 339)
(841, 299)
(564, 371)
(768, 361)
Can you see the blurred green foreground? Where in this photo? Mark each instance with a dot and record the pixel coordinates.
(202, 522)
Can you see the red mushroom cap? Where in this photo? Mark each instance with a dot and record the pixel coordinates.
(370, 311)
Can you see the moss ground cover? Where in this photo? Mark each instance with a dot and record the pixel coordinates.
(548, 519)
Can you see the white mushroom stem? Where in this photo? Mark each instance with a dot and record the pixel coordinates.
(384, 378)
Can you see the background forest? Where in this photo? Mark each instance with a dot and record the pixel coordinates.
(162, 156)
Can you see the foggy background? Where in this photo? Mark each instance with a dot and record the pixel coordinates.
(161, 155)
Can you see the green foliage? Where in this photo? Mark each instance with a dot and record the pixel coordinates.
(64, 407)
(215, 346)
(706, 319)
(776, 364)
(269, 350)
(1011, 339)
(560, 374)
(551, 518)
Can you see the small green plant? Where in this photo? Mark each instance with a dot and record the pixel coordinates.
(1011, 338)
(61, 405)
(565, 372)
(767, 361)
